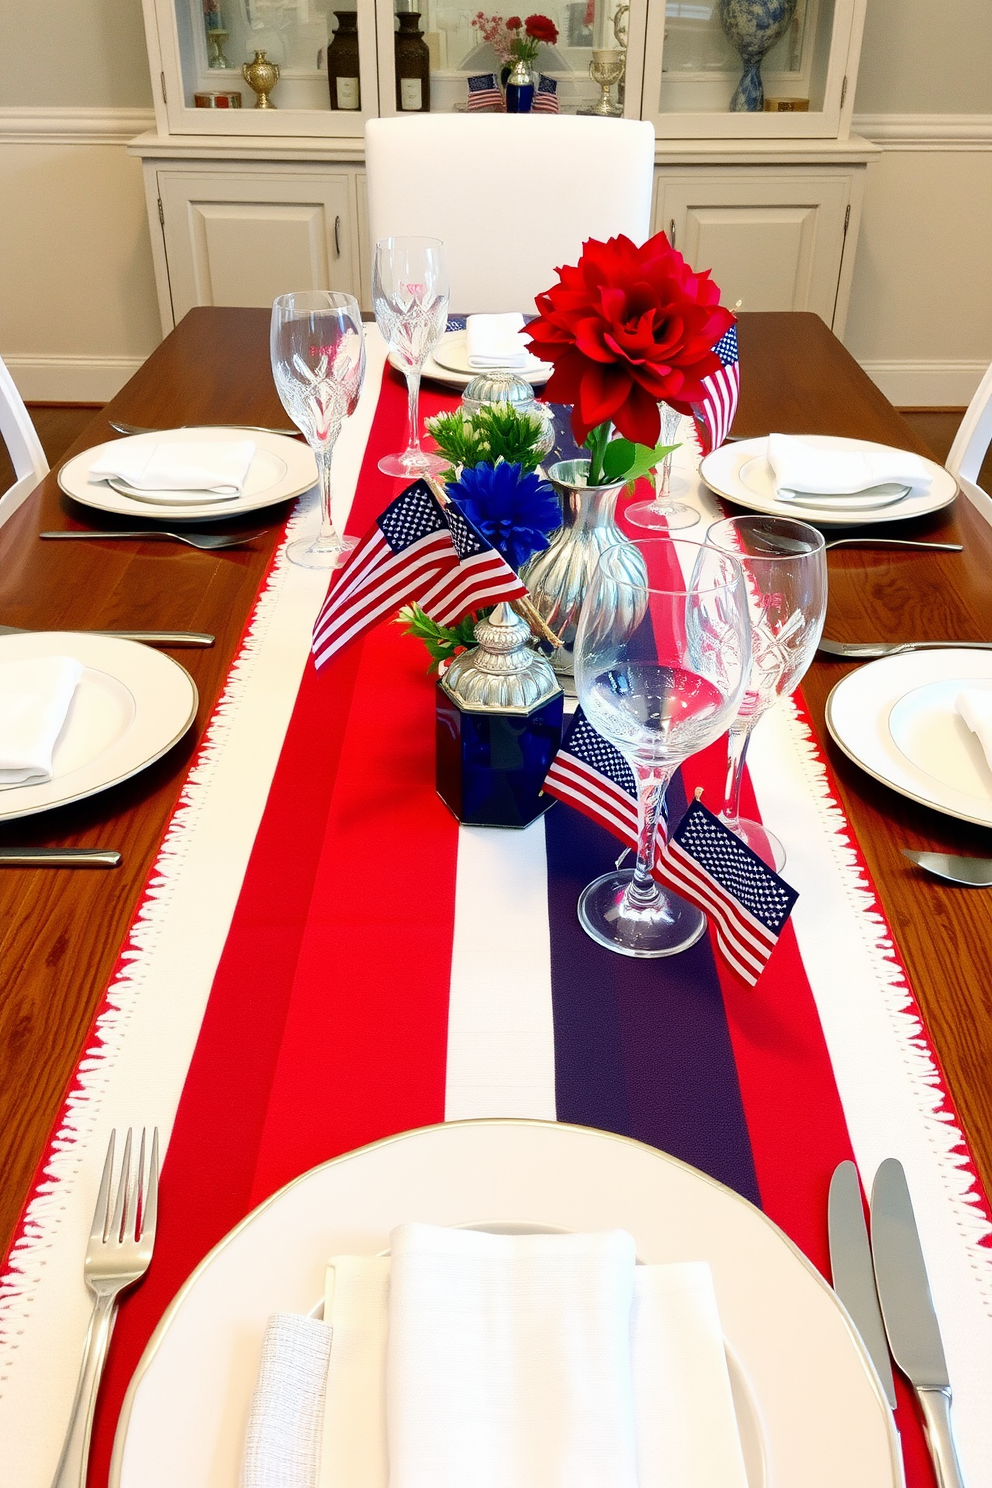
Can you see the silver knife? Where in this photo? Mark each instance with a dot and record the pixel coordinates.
(910, 1320)
(850, 1265)
(123, 428)
(171, 638)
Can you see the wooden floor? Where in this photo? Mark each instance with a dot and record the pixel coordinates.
(58, 427)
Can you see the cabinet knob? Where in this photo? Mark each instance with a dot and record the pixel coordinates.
(671, 232)
(337, 237)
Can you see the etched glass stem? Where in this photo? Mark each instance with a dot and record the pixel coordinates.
(738, 738)
(413, 411)
(652, 783)
(324, 454)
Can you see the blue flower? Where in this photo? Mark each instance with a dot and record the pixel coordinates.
(513, 511)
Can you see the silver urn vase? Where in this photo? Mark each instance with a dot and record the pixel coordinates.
(558, 577)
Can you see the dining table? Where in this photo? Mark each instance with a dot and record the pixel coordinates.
(66, 934)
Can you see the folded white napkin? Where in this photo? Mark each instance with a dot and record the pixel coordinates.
(356, 1305)
(687, 1433)
(489, 1357)
(975, 707)
(509, 1360)
(801, 466)
(282, 1445)
(212, 468)
(35, 697)
(496, 341)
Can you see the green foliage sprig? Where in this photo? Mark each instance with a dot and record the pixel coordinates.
(496, 431)
(621, 459)
(443, 642)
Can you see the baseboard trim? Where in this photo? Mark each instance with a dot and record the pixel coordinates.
(927, 384)
(73, 126)
(70, 379)
(926, 131)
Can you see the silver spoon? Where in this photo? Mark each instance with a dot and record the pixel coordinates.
(208, 541)
(865, 650)
(894, 542)
(972, 873)
(123, 428)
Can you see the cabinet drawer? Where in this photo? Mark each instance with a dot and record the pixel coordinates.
(239, 238)
(773, 239)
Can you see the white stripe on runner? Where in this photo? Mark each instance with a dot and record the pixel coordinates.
(501, 1054)
(135, 1073)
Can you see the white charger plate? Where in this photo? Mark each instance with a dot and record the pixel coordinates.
(452, 348)
(740, 472)
(821, 1415)
(282, 467)
(895, 718)
(130, 706)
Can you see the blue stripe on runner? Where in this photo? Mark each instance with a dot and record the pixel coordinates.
(641, 1047)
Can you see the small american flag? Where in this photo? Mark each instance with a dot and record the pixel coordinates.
(545, 96)
(709, 865)
(484, 94)
(592, 775)
(400, 559)
(483, 576)
(715, 414)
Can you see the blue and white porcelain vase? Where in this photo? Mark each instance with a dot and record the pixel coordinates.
(753, 27)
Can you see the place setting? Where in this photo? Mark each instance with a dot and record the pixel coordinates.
(828, 480)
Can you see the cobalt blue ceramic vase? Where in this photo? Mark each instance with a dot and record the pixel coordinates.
(753, 27)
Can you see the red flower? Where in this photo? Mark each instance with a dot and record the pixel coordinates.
(541, 28)
(514, 23)
(628, 328)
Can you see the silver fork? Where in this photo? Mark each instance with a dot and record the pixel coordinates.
(118, 1253)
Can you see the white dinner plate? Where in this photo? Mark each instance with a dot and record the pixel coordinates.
(131, 705)
(895, 717)
(818, 1419)
(740, 472)
(452, 348)
(281, 467)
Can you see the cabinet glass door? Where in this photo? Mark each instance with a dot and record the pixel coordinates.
(746, 68)
(465, 42)
(204, 44)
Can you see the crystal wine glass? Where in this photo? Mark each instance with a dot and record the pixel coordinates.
(662, 513)
(785, 570)
(410, 299)
(318, 361)
(660, 668)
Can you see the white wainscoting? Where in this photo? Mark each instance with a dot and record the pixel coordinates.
(926, 131)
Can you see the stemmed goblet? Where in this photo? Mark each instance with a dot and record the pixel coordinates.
(410, 299)
(660, 668)
(318, 362)
(662, 513)
(785, 570)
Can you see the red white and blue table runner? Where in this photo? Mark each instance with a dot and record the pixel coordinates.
(323, 957)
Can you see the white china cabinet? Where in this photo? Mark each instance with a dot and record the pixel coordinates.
(246, 201)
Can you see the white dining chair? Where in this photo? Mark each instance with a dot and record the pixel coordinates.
(511, 196)
(23, 445)
(970, 447)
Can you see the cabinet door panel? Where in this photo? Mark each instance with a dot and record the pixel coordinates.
(773, 241)
(235, 238)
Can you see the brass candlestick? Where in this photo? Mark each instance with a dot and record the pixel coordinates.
(261, 75)
(606, 68)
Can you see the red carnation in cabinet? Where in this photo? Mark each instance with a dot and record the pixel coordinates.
(628, 328)
(541, 28)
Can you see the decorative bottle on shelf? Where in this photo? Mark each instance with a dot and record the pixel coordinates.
(520, 89)
(343, 71)
(413, 66)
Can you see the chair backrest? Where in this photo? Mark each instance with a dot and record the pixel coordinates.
(23, 445)
(511, 196)
(974, 434)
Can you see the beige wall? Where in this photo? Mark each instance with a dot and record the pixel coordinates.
(77, 297)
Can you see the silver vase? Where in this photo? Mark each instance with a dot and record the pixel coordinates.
(558, 577)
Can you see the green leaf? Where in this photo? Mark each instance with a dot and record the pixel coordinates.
(618, 457)
(645, 460)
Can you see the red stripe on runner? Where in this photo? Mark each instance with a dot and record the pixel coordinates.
(234, 1100)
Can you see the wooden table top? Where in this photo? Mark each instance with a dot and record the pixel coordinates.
(60, 929)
